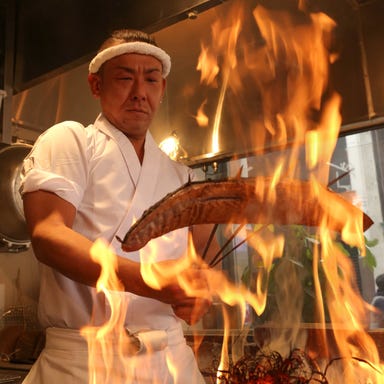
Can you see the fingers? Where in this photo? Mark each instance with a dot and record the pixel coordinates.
(192, 310)
(188, 293)
(195, 283)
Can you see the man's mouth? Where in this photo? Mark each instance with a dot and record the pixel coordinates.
(137, 110)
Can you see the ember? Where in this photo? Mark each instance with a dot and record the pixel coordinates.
(272, 368)
(269, 367)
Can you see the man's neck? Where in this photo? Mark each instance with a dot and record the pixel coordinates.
(138, 145)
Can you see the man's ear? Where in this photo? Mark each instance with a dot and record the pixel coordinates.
(164, 84)
(94, 84)
(164, 87)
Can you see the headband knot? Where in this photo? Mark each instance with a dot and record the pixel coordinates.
(131, 47)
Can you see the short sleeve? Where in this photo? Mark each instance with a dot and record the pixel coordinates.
(58, 163)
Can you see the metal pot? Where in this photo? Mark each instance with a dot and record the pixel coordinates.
(13, 229)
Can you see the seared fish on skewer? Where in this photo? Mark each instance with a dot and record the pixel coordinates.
(258, 200)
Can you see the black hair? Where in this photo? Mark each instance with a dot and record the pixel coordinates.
(126, 36)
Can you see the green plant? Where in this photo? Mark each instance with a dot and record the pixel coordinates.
(292, 274)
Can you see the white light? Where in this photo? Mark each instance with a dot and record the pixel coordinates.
(170, 146)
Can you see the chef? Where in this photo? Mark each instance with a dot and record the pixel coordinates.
(82, 183)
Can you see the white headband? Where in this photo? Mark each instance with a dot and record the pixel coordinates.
(131, 47)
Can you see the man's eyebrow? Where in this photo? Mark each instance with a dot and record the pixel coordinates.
(132, 70)
(150, 70)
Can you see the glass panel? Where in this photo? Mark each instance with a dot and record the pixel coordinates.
(356, 172)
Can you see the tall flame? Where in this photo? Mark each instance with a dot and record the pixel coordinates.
(208, 65)
(108, 344)
(301, 117)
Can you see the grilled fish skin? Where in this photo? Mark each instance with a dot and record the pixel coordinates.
(259, 200)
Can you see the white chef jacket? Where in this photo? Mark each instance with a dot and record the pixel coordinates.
(96, 169)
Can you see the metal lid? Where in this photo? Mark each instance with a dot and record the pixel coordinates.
(13, 228)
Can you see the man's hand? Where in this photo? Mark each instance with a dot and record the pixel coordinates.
(183, 286)
(193, 310)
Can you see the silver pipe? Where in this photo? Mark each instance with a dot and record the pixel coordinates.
(362, 125)
(26, 126)
(6, 136)
(364, 64)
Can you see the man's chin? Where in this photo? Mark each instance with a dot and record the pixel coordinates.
(137, 130)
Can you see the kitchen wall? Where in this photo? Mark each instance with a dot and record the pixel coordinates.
(356, 75)
(19, 280)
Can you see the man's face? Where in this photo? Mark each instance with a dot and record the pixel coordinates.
(130, 88)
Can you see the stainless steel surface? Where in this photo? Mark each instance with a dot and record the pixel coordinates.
(357, 76)
(13, 373)
(8, 71)
(46, 46)
(13, 231)
(10, 377)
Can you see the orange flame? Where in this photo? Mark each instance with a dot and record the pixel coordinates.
(300, 115)
(201, 118)
(295, 118)
(105, 341)
(209, 67)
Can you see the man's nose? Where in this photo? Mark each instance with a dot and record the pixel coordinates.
(138, 90)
